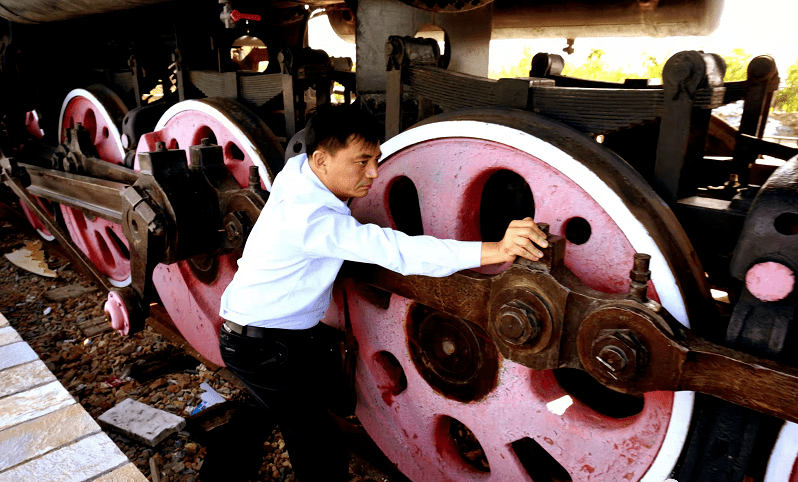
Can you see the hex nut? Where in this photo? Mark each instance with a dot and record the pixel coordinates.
(517, 323)
(619, 353)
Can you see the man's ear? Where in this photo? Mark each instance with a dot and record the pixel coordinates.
(319, 160)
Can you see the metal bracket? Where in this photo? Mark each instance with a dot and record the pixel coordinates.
(763, 81)
(400, 53)
(683, 130)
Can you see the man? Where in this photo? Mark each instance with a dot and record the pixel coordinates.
(272, 339)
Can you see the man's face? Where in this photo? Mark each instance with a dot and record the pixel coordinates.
(350, 172)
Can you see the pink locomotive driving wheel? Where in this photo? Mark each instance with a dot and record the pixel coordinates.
(100, 111)
(433, 391)
(191, 290)
(33, 128)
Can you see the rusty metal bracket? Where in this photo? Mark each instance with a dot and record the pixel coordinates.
(400, 53)
(685, 121)
(79, 156)
(762, 82)
(16, 178)
(301, 70)
(170, 211)
(138, 78)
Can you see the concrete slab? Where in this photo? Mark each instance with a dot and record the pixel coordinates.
(36, 437)
(77, 462)
(8, 336)
(24, 377)
(16, 354)
(33, 403)
(127, 473)
(142, 422)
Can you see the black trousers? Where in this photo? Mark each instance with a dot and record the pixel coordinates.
(297, 376)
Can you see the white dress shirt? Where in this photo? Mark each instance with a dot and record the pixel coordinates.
(301, 239)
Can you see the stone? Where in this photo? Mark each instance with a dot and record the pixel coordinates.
(142, 422)
(67, 292)
(3, 320)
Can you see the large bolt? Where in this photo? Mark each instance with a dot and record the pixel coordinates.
(613, 358)
(236, 226)
(639, 277)
(254, 177)
(517, 323)
(619, 353)
(156, 227)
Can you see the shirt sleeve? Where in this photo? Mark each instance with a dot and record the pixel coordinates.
(336, 235)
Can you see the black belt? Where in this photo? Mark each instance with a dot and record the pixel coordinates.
(270, 333)
(250, 331)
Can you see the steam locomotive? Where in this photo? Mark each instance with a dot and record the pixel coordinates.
(653, 340)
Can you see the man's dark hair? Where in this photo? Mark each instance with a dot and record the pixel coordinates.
(334, 126)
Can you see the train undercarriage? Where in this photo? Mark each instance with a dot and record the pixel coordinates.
(136, 140)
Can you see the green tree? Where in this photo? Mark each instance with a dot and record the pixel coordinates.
(595, 69)
(521, 69)
(787, 98)
(652, 67)
(737, 65)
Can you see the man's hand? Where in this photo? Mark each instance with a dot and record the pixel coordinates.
(520, 239)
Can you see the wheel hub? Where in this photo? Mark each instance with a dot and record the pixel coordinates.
(455, 357)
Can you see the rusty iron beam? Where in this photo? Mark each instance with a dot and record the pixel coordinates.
(762, 385)
(465, 294)
(97, 197)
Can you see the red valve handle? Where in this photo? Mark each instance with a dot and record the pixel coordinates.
(236, 16)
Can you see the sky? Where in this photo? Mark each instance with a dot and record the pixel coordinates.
(766, 29)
